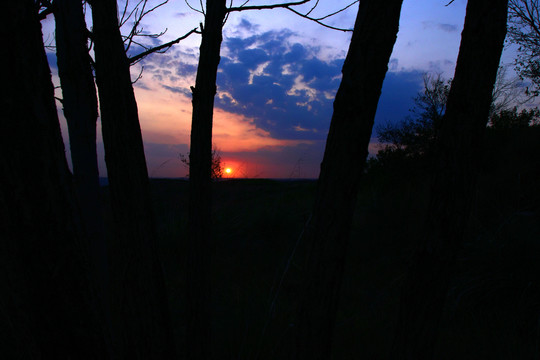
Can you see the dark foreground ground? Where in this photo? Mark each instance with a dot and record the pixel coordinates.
(493, 307)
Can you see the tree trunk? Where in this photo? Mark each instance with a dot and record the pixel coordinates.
(327, 233)
(200, 170)
(46, 301)
(80, 109)
(139, 295)
(454, 180)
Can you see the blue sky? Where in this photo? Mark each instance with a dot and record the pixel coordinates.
(277, 78)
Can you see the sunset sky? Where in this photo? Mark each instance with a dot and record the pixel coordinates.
(277, 79)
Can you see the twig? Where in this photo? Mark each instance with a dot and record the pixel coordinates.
(136, 58)
(289, 6)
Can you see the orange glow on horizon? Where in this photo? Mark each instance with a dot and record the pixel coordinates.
(165, 119)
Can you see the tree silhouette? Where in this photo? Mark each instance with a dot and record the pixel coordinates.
(142, 327)
(48, 306)
(524, 30)
(415, 135)
(453, 181)
(217, 169)
(327, 232)
(200, 169)
(79, 101)
(514, 119)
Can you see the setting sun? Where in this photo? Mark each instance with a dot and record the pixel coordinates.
(228, 170)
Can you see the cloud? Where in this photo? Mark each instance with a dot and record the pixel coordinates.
(281, 84)
(273, 105)
(248, 26)
(177, 89)
(238, 133)
(449, 28)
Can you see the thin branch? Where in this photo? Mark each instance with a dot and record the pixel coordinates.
(47, 6)
(202, 7)
(43, 15)
(160, 48)
(245, 3)
(141, 44)
(144, 13)
(139, 76)
(193, 8)
(227, 14)
(125, 16)
(289, 6)
(313, 8)
(135, 29)
(267, 7)
(335, 12)
(138, 13)
(318, 21)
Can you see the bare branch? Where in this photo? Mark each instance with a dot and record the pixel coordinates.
(227, 14)
(143, 14)
(44, 8)
(135, 29)
(141, 44)
(202, 7)
(267, 7)
(335, 12)
(201, 11)
(138, 76)
(161, 48)
(125, 16)
(289, 6)
(318, 21)
(313, 8)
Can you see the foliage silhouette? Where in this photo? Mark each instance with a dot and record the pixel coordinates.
(415, 135)
(217, 169)
(454, 175)
(524, 30)
(514, 119)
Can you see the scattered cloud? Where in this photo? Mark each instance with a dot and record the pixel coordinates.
(274, 101)
(246, 25)
(279, 84)
(449, 28)
(177, 89)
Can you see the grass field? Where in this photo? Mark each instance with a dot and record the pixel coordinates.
(493, 306)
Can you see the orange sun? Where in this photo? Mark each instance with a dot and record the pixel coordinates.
(228, 170)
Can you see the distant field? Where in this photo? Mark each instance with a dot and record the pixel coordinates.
(492, 310)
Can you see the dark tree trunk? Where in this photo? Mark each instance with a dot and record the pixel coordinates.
(454, 180)
(327, 233)
(81, 111)
(200, 170)
(46, 305)
(139, 297)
